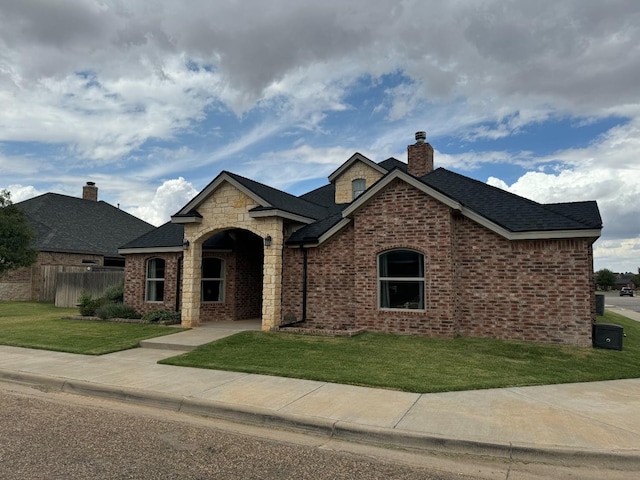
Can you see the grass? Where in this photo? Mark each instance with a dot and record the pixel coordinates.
(417, 364)
(40, 325)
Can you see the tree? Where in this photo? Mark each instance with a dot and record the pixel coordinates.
(605, 279)
(16, 237)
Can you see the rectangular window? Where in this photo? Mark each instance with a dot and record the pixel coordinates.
(401, 280)
(212, 280)
(358, 186)
(155, 280)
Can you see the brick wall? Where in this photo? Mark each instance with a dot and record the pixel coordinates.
(225, 310)
(476, 282)
(249, 266)
(242, 283)
(135, 276)
(330, 283)
(538, 290)
(401, 216)
(27, 283)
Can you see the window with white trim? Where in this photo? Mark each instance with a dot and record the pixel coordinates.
(358, 186)
(401, 280)
(155, 280)
(212, 279)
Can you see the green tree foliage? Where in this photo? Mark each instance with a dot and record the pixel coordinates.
(16, 237)
(605, 278)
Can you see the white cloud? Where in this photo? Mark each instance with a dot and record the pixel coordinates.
(166, 201)
(20, 193)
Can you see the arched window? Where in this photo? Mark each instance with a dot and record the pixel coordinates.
(155, 280)
(357, 187)
(401, 280)
(212, 279)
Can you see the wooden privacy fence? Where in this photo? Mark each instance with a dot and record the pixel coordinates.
(70, 285)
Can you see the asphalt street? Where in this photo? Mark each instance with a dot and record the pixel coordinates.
(629, 303)
(57, 436)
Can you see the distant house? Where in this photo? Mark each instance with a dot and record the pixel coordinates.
(624, 280)
(389, 247)
(72, 234)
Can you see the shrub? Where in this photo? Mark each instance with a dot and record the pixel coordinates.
(164, 316)
(116, 310)
(89, 305)
(114, 294)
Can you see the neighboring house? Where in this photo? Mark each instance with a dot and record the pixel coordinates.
(71, 234)
(389, 246)
(624, 280)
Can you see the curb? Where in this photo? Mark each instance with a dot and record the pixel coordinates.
(335, 430)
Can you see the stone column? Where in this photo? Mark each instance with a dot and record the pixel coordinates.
(272, 279)
(191, 284)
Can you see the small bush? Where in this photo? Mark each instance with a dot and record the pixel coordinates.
(164, 316)
(116, 310)
(88, 305)
(114, 294)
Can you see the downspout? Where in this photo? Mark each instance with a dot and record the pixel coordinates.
(304, 282)
(178, 281)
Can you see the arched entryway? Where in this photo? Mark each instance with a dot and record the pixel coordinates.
(232, 274)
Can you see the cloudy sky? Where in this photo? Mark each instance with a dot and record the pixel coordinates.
(152, 99)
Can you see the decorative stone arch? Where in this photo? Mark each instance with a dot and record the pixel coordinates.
(228, 208)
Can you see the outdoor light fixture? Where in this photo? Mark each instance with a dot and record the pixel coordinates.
(267, 241)
(185, 244)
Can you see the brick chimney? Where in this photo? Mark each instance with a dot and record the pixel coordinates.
(90, 192)
(420, 156)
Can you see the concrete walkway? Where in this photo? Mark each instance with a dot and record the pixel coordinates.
(573, 424)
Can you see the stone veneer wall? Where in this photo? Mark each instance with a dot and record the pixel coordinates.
(344, 192)
(228, 207)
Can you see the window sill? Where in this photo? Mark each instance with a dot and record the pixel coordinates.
(404, 310)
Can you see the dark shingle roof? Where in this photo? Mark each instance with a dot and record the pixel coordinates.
(510, 211)
(282, 200)
(69, 224)
(171, 235)
(391, 163)
(311, 233)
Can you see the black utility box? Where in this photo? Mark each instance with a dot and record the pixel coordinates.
(606, 335)
(599, 304)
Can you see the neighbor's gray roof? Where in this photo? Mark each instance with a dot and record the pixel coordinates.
(69, 224)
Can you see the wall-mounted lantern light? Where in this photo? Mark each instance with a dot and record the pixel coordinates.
(267, 241)
(185, 244)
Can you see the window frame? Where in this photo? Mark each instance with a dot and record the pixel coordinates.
(221, 279)
(154, 280)
(361, 182)
(421, 280)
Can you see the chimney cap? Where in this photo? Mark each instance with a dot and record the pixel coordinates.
(91, 184)
(421, 137)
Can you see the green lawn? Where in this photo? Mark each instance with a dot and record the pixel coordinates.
(40, 325)
(417, 364)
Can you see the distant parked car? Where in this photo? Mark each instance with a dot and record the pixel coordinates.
(626, 291)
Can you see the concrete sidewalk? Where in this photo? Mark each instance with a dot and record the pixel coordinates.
(574, 424)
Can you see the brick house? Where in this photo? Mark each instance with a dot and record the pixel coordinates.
(390, 246)
(71, 235)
